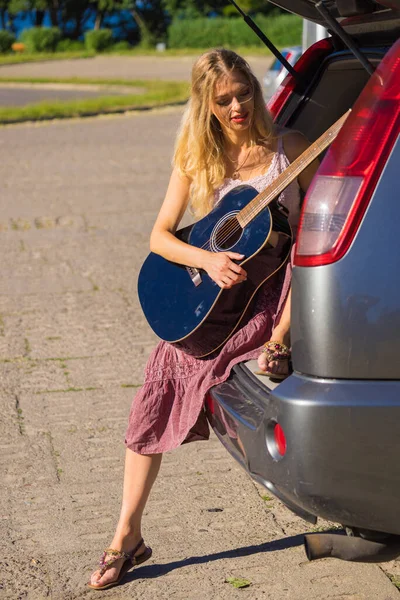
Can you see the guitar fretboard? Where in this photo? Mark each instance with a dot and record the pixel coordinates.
(249, 212)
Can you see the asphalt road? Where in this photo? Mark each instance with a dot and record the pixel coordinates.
(21, 96)
(106, 67)
(77, 203)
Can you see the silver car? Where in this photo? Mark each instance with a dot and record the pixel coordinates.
(326, 440)
(277, 72)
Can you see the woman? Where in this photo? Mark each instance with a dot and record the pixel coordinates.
(226, 138)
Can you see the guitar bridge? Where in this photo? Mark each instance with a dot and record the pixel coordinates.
(194, 275)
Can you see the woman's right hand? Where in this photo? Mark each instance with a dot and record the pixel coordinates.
(221, 268)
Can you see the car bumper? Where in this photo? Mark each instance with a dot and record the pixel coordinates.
(343, 443)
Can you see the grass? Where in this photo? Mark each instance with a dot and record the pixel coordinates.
(326, 528)
(156, 93)
(395, 579)
(13, 59)
(267, 498)
(249, 50)
(130, 385)
(238, 582)
(151, 84)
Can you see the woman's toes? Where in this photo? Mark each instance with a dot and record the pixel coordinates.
(273, 367)
(99, 580)
(262, 362)
(95, 578)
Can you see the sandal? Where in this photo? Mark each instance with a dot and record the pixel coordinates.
(275, 351)
(130, 561)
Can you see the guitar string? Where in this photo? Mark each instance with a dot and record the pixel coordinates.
(228, 232)
(228, 229)
(232, 226)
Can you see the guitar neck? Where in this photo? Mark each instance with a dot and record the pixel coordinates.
(249, 212)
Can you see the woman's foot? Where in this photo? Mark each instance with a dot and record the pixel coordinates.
(104, 577)
(274, 360)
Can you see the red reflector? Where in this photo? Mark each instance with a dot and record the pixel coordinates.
(311, 57)
(340, 193)
(280, 439)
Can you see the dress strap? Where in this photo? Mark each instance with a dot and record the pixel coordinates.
(280, 145)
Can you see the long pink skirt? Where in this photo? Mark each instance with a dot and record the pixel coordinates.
(168, 410)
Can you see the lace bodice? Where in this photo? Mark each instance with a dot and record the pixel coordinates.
(290, 197)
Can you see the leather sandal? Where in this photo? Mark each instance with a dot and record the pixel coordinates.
(110, 556)
(279, 352)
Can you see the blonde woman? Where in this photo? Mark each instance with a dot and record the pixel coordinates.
(226, 138)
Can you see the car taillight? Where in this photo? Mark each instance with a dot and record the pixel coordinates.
(342, 188)
(311, 57)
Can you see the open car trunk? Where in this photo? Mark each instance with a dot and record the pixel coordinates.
(339, 9)
(331, 91)
(245, 410)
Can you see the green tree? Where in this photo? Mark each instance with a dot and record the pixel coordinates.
(54, 7)
(4, 7)
(38, 8)
(193, 8)
(75, 11)
(102, 8)
(151, 19)
(250, 7)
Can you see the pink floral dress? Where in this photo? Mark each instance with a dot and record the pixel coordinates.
(168, 410)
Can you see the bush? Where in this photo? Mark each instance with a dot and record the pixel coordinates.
(68, 45)
(122, 45)
(283, 30)
(98, 40)
(41, 39)
(6, 41)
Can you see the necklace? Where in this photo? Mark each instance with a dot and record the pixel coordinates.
(236, 174)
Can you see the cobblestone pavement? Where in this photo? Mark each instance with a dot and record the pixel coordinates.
(78, 200)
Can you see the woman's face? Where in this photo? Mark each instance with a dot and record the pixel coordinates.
(233, 102)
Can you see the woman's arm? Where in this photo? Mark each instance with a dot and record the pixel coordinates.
(294, 144)
(219, 265)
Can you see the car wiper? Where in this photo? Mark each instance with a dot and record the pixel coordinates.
(346, 39)
(267, 42)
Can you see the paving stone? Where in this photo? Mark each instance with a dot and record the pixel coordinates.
(75, 219)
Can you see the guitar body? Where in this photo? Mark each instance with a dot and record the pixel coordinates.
(183, 305)
(186, 307)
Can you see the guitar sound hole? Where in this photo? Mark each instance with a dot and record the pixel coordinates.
(228, 234)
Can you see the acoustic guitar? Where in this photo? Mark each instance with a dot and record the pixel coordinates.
(182, 304)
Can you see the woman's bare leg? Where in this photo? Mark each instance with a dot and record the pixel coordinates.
(140, 473)
(280, 334)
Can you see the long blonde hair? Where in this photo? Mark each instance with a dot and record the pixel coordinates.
(199, 147)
